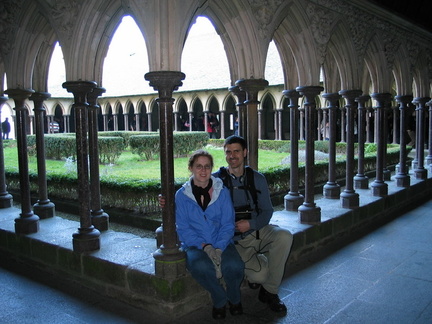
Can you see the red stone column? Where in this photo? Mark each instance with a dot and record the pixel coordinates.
(170, 260)
(378, 186)
(100, 219)
(44, 208)
(402, 177)
(251, 87)
(87, 238)
(361, 181)
(308, 212)
(332, 189)
(293, 199)
(28, 222)
(349, 198)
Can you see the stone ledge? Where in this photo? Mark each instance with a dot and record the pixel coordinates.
(124, 267)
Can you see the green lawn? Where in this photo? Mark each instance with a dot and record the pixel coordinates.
(130, 167)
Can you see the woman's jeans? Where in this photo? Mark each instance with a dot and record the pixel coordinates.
(203, 271)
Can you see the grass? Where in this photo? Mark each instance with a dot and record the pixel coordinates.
(129, 165)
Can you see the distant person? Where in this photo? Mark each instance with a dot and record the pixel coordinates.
(212, 125)
(205, 224)
(6, 128)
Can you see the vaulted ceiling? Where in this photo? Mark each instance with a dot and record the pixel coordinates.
(416, 11)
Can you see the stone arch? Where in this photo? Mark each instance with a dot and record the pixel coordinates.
(197, 110)
(376, 63)
(421, 76)
(267, 107)
(402, 72)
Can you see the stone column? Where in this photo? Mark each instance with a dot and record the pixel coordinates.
(169, 259)
(100, 219)
(175, 121)
(429, 157)
(369, 135)
(241, 107)
(44, 208)
(331, 189)
(361, 181)
(105, 122)
(308, 211)
(251, 87)
(396, 124)
(137, 122)
(349, 198)
(378, 186)
(260, 123)
(67, 123)
(149, 122)
(386, 171)
(279, 124)
(190, 121)
(28, 222)
(5, 197)
(402, 177)
(87, 238)
(302, 124)
(222, 123)
(420, 172)
(293, 199)
(343, 124)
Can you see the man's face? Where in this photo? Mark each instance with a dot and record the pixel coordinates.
(235, 155)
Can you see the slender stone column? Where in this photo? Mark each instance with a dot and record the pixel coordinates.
(331, 189)
(169, 259)
(369, 128)
(5, 197)
(260, 123)
(87, 238)
(149, 122)
(302, 124)
(429, 157)
(279, 124)
(252, 87)
(28, 222)
(222, 123)
(241, 107)
(420, 172)
(386, 171)
(402, 177)
(44, 208)
(137, 122)
(100, 219)
(360, 180)
(378, 186)
(293, 199)
(343, 124)
(349, 198)
(308, 211)
(190, 121)
(396, 125)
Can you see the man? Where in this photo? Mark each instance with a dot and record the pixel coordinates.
(6, 128)
(263, 247)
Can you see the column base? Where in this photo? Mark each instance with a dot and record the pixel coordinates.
(87, 240)
(386, 175)
(379, 188)
(309, 214)
(169, 264)
(100, 221)
(361, 182)
(414, 164)
(292, 202)
(6, 201)
(331, 190)
(420, 174)
(44, 211)
(402, 180)
(349, 199)
(27, 225)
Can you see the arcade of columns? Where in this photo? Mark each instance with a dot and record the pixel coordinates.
(335, 50)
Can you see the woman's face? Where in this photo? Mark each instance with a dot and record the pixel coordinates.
(201, 171)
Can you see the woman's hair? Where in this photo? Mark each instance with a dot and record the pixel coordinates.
(198, 153)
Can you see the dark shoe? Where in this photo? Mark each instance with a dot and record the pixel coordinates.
(219, 313)
(273, 300)
(236, 309)
(253, 285)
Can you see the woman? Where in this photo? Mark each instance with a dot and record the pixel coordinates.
(205, 225)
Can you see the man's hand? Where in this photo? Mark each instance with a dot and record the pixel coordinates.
(242, 226)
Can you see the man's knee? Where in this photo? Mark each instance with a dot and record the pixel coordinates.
(257, 270)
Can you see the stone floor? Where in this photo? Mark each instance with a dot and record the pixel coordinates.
(383, 277)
